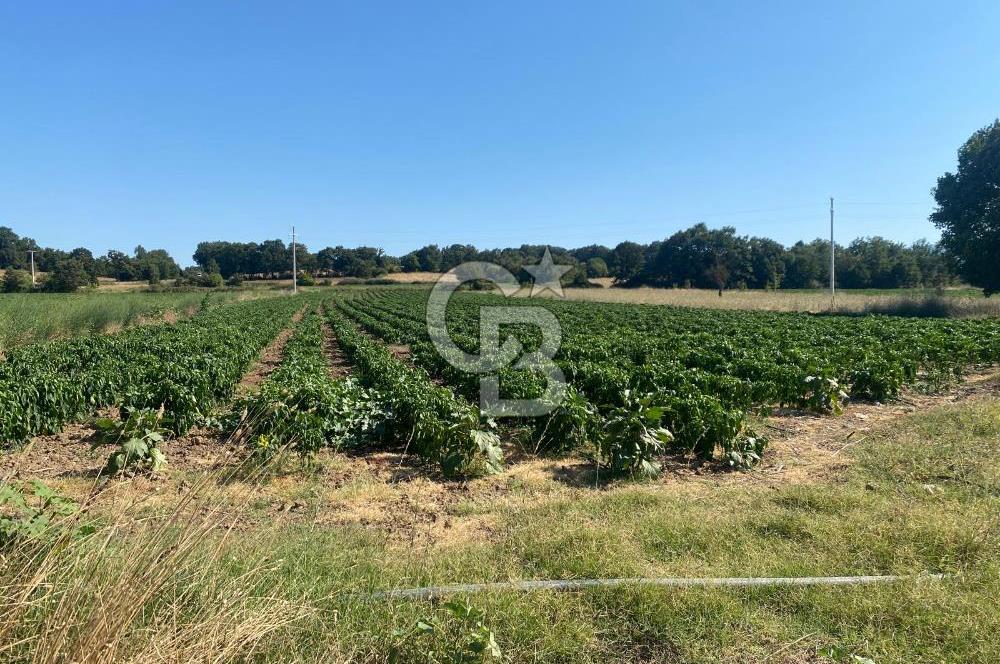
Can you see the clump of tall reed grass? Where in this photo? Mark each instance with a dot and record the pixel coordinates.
(934, 306)
(152, 589)
(33, 317)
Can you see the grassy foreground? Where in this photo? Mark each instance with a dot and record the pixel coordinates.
(921, 497)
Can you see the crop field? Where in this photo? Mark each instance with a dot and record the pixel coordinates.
(307, 451)
(706, 371)
(701, 375)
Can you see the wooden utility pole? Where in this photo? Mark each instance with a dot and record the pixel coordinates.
(295, 272)
(31, 252)
(833, 248)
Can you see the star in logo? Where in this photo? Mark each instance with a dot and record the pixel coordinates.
(547, 275)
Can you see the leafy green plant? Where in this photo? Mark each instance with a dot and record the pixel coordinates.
(745, 451)
(709, 369)
(138, 437)
(824, 395)
(301, 407)
(466, 638)
(29, 510)
(573, 424)
(839, 653)
(633, 437)
(186, 368)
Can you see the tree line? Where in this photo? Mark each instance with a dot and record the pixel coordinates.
(968, 214)
(697, 257)
(66, 271)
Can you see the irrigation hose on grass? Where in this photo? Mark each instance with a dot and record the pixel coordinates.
(432, 592)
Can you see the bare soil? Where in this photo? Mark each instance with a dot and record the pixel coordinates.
(337, 363)
(269, 359)
(401, 352)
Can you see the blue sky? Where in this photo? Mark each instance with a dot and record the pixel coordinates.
(397, 124)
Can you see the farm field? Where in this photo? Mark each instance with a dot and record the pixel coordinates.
(312, 449)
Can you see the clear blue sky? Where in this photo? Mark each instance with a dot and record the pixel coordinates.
(397, 124)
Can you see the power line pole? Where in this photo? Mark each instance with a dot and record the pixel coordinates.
(295, 276)
(31, 252)
(833, 247)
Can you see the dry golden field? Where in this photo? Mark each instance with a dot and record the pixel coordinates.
(960, 303)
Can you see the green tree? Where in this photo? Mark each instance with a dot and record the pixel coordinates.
(628, 259)
(16, 281)
(68, 275)
(597, 267)
(9, 248)
(410, 262)
(968, 211)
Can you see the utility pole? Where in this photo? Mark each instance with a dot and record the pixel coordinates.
(295, 275)
(833, 247)
(31, 252)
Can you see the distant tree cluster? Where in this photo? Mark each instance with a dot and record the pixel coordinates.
(143, 265)
(273, 258)
(699, 257)
(68, 271)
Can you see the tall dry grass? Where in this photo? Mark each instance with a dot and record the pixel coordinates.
(807, 301)
(32, 317)
(149, 589)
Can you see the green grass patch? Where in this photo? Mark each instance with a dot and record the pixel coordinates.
(879, 518)
(920, 497)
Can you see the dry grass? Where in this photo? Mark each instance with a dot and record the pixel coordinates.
(812, 301)
(108, 285)
(412, 277)
(138, 590)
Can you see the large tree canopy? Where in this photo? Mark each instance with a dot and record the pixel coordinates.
(968, 212)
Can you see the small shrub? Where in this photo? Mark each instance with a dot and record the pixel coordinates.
(633, 436)
(29, 509)
(574, 424)
(462, 637)
(745, 451)
(823, 395)
(138, 438)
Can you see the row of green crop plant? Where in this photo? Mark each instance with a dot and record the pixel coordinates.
(183, 369)
(872, 357)
(437, 424)
(627, 434)
(706, 369)
(301, 407)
